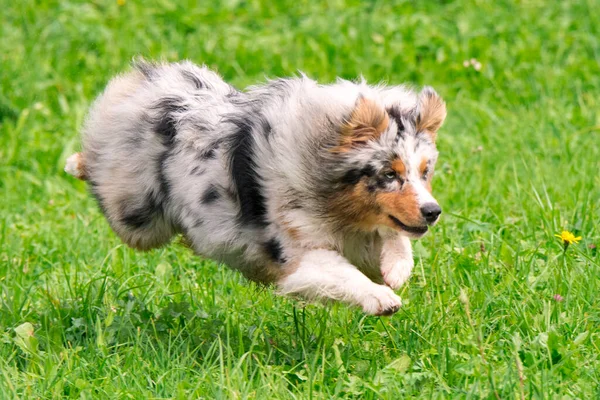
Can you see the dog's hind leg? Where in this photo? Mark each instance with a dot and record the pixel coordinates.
(325, 274)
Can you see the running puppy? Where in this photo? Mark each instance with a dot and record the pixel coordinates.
(314, 188)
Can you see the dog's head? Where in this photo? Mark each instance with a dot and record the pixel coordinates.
(385, 159)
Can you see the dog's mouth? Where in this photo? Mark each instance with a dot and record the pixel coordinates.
(417, 230)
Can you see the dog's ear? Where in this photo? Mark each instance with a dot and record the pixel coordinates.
(431, 112)
(367, 121)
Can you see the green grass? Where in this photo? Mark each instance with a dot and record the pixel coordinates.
(519, 162)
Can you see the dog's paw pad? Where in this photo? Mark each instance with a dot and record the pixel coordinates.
(389, 311)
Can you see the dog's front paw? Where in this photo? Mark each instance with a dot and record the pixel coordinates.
(381, 301)
(397, 273)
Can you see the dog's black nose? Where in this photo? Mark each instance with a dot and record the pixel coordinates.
(431, 212)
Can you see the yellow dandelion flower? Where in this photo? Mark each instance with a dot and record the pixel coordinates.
(121, 2)
(568, 238)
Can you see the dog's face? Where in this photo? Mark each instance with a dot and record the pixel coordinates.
(389, 155)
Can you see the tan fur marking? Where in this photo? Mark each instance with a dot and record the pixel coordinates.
(422, 168)
(432, 113)
(399, 167)
(292, 232)
(402, 205)
(423, 165)
(283, 219)
(359, 209)
(368, 121)
(355, 207)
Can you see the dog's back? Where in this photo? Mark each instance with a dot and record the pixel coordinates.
(126, 141)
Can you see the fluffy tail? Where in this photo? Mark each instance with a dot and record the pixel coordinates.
(76, 167)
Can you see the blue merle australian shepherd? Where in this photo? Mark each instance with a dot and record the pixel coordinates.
(316, 189)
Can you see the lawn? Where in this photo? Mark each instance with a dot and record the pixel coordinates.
(496, 307)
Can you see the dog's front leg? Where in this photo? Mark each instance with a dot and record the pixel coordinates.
(325, 274)
(396, 261)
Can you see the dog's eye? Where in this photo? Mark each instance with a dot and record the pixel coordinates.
(425, 174)
(390, 175)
